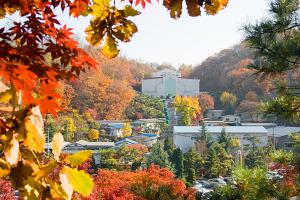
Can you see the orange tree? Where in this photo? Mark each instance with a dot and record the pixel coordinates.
(36, 52)
(152, 183)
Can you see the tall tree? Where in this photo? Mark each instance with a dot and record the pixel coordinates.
(159, 156)
(228, 100)
(189, 109)
(177, 161)
(192, 166)
(276, 45)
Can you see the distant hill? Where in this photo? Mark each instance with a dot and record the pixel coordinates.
(226, 71)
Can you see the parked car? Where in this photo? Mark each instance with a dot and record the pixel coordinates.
(273, 175)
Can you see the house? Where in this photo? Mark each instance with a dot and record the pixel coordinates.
(70, 148)
(148, 124)
(184, 136)
(214, 114)
(125, 141)
(280, 136)
(232, 120)
(147, 139)
(112, 128)
(168, 82)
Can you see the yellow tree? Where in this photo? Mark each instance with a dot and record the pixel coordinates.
(93, 134)
(126, 130)
(188, 108)
(228, 100)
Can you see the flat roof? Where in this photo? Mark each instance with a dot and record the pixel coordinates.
(280, 131)
(218, 129)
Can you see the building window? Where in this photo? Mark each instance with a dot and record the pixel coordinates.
(227, 119)
(288, 144)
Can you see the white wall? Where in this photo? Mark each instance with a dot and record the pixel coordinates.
(153, 87)
(184, 140)
(184, 87)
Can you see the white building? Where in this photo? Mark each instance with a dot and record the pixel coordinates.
(183, 136)
(168, 82)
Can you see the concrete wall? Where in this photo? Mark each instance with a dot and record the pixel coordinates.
(158, 87)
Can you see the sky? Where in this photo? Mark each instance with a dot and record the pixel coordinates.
(187, 40)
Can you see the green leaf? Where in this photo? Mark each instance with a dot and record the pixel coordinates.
(130, 11)
(78, 158)
(109, 48)
(57, 145)
(80, 181)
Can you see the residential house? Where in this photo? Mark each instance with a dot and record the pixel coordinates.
(125, 142)
(147, 139)
(112, 127)
(184, 137)
(231, 120)
(214, 114)
(148, 124)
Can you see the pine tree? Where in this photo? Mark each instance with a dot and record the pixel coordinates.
(192, 164)
(225, 140)
(276, 44)
(177, 160)
(159, 156)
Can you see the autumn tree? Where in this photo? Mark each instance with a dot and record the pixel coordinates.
(249, 105)
(206, 101)
(185, 70)
(228, 100)
(93, 134)
(33, 78)
(274, 41)
(126, 130)
(189, 109)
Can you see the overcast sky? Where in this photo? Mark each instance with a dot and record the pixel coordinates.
(187, 40)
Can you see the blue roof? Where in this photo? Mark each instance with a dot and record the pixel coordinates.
(149, 134)
(126, 140)
(117, 126)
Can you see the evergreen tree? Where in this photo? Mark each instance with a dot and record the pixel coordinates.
(177, 161)
(218, 162)
(168, 146)
(159, 156)
(192, 166)
(276, 44)
(225, 140)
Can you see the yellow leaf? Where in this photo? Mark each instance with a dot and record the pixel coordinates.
(130, 11)
(5, 96)
(99, 7)
(34, 126)
(4, 168)
(57, 191)
(215, 6)
(57, 145)
(78, 158)
(12, 151)
(66, 185)
(80, 181)
(109, 48)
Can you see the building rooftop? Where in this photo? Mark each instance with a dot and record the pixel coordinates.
(153, 120)
(96, 144)
(125, 140)
(280, 131)
(218, 129)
